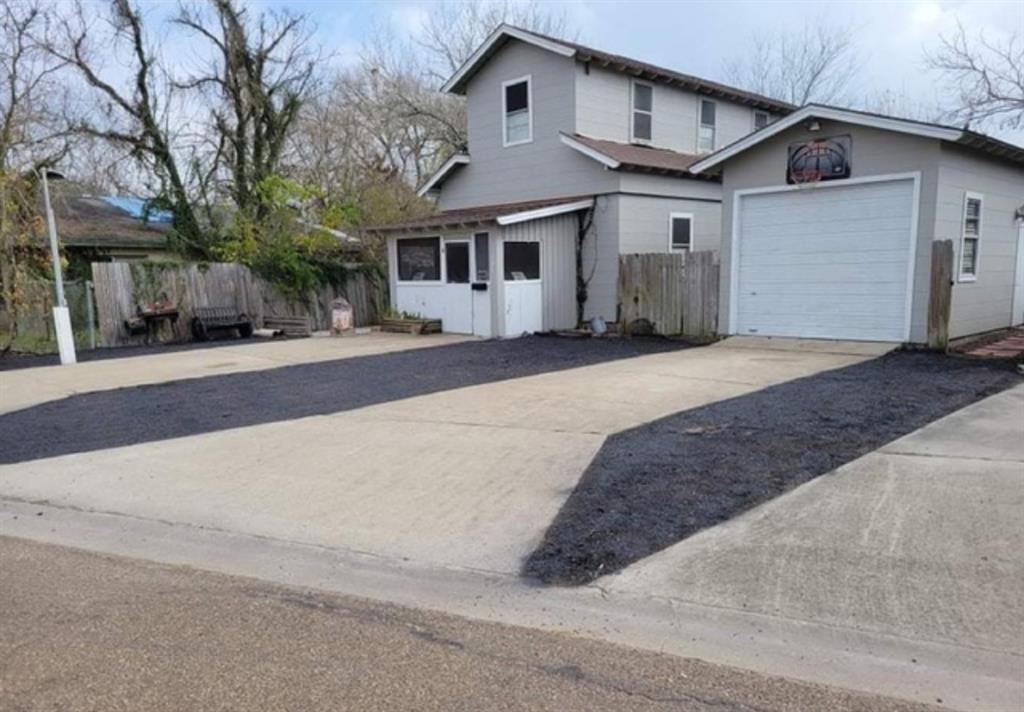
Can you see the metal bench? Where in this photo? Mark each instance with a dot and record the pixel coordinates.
(209, 319)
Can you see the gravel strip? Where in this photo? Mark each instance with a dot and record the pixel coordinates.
(655, 485)
(127, 416)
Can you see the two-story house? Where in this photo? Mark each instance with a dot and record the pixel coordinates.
(575, 156)
(825, 219)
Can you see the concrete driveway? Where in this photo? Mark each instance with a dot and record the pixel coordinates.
(465, 478)
(898, 573)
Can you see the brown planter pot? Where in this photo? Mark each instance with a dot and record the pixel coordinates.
(411, 326)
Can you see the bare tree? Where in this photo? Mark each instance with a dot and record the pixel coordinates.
(262, 72)
(816, 64)
(136, 115)
(453, 30)
(988, 77)
(32, 135)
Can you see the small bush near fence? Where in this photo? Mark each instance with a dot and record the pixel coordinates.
(32, 329)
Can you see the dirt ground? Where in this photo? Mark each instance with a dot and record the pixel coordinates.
(655, 485)
(180, 408)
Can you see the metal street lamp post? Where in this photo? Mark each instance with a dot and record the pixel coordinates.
(61, 315)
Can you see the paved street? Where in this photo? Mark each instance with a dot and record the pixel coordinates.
(85, 632)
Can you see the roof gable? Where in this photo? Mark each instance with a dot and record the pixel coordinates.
(911, 127)
(633, 67)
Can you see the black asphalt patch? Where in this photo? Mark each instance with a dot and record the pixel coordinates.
(655, 485)
(128, 416)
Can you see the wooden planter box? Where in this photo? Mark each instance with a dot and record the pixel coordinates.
(411, 326)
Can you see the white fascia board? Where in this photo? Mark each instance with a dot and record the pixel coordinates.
(548, 212)
(586, 150)
(459, 159)
(503, 31)
(812, 111)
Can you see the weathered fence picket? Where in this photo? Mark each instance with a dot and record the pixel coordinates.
(675, 294)
(122, 287)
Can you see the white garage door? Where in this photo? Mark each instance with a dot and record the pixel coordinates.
(829, 262)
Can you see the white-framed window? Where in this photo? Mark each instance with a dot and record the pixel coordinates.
(642, 121)
(706, 126)
(419, 259)
(970, 237)
(517, 111)
(680, 232)
(761, 119)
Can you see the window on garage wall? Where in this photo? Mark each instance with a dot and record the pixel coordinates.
(970, 238)
(522, 261)
(419, 259)
(680, 232)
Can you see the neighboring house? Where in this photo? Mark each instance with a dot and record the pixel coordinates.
(847, 255)
(577, 156)
(563, 139)
(110, 229)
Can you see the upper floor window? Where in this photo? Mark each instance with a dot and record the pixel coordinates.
(970, 237)
(761, 119)
(706, 130)
(516, 111)
(643, 111)
(680, 231)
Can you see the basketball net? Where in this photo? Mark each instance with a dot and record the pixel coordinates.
(805, 177)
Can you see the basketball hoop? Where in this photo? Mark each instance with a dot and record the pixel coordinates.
(806, 177)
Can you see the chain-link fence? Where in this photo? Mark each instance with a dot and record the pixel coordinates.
(32, 322)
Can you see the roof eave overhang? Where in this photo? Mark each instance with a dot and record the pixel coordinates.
(813, 111)
(457, 83)
(435, 181)
(590, 152)
(547, 212)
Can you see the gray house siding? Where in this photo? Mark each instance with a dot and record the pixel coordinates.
(603, 110)
(874, 152)
(644, 223)
(543, 168)
(601, 259)
(984, 304)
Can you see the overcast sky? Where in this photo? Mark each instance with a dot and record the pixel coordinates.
(699, 37)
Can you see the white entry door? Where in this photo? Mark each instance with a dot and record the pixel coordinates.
(457, 301)
(829, 262)
(524, 310)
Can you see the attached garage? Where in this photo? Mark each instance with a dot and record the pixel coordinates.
(834, 262)
(832, 220)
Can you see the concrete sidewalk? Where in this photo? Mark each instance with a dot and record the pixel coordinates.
(921, 540)
(22, 388)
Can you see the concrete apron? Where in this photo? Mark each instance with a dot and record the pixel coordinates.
(22, 388)
(469, 478)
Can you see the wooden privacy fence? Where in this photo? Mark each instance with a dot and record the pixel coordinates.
(121, 287)
(675, 293)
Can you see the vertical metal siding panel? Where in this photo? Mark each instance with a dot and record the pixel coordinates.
(558, 272)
